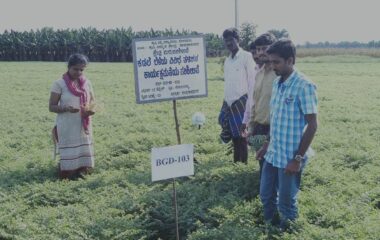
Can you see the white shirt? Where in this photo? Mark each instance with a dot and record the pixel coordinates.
(239, 76)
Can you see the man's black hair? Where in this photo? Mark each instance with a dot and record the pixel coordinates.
(284, 48)
(231, 32)
(265, 39)
(252, 46)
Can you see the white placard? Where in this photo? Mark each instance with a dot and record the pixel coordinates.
(169, 68)
(172, 162)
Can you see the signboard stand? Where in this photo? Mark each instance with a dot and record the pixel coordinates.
(170, 68)
(174, 189)
(176, 121)
(176, 208)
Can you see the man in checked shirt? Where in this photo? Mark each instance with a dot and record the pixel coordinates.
(293, 123)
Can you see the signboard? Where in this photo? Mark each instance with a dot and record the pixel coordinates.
(172, 162)
(169, 68)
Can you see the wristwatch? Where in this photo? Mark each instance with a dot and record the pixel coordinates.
(298, 158)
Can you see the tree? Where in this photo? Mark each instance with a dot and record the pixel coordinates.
(214, 44)
(247, 34)
(279, 33)
(112, 45)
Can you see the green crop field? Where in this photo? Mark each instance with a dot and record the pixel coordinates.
(340, 196)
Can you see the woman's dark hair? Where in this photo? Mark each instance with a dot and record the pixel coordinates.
(77, 58)
(231, 32)
(265, 39)
(284, 48)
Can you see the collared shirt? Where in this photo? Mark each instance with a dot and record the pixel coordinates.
(249, 104)
(291, 100)
(239, 76)
(259, 111)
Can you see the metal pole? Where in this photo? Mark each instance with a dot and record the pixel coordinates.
(174, 189)
(176, 121)
(236, 14)
(176, 209)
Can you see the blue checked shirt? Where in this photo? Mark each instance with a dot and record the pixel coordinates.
(290, 102)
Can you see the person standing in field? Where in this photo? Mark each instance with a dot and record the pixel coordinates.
(252, 49)
(72, 98)
(256, 116)
(293, 123)
(239, 79)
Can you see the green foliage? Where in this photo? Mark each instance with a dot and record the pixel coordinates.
(317, 52)
(340, 193)
(247, 34)
(283, 33)
(214, 45)
(256, 142)
(115, 45)
(111, 45)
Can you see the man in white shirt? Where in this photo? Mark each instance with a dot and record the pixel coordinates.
(239, 79)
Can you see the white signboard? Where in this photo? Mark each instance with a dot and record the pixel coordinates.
(169, 68)
(172, 162)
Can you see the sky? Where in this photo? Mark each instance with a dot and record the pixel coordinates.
(305, 20)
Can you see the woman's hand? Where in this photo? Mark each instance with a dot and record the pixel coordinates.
(70, 109)
(88, 113)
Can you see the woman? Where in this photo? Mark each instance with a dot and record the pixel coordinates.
(71, 98)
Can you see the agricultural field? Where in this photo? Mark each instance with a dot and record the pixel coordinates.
(317, 52)
(340, 196)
